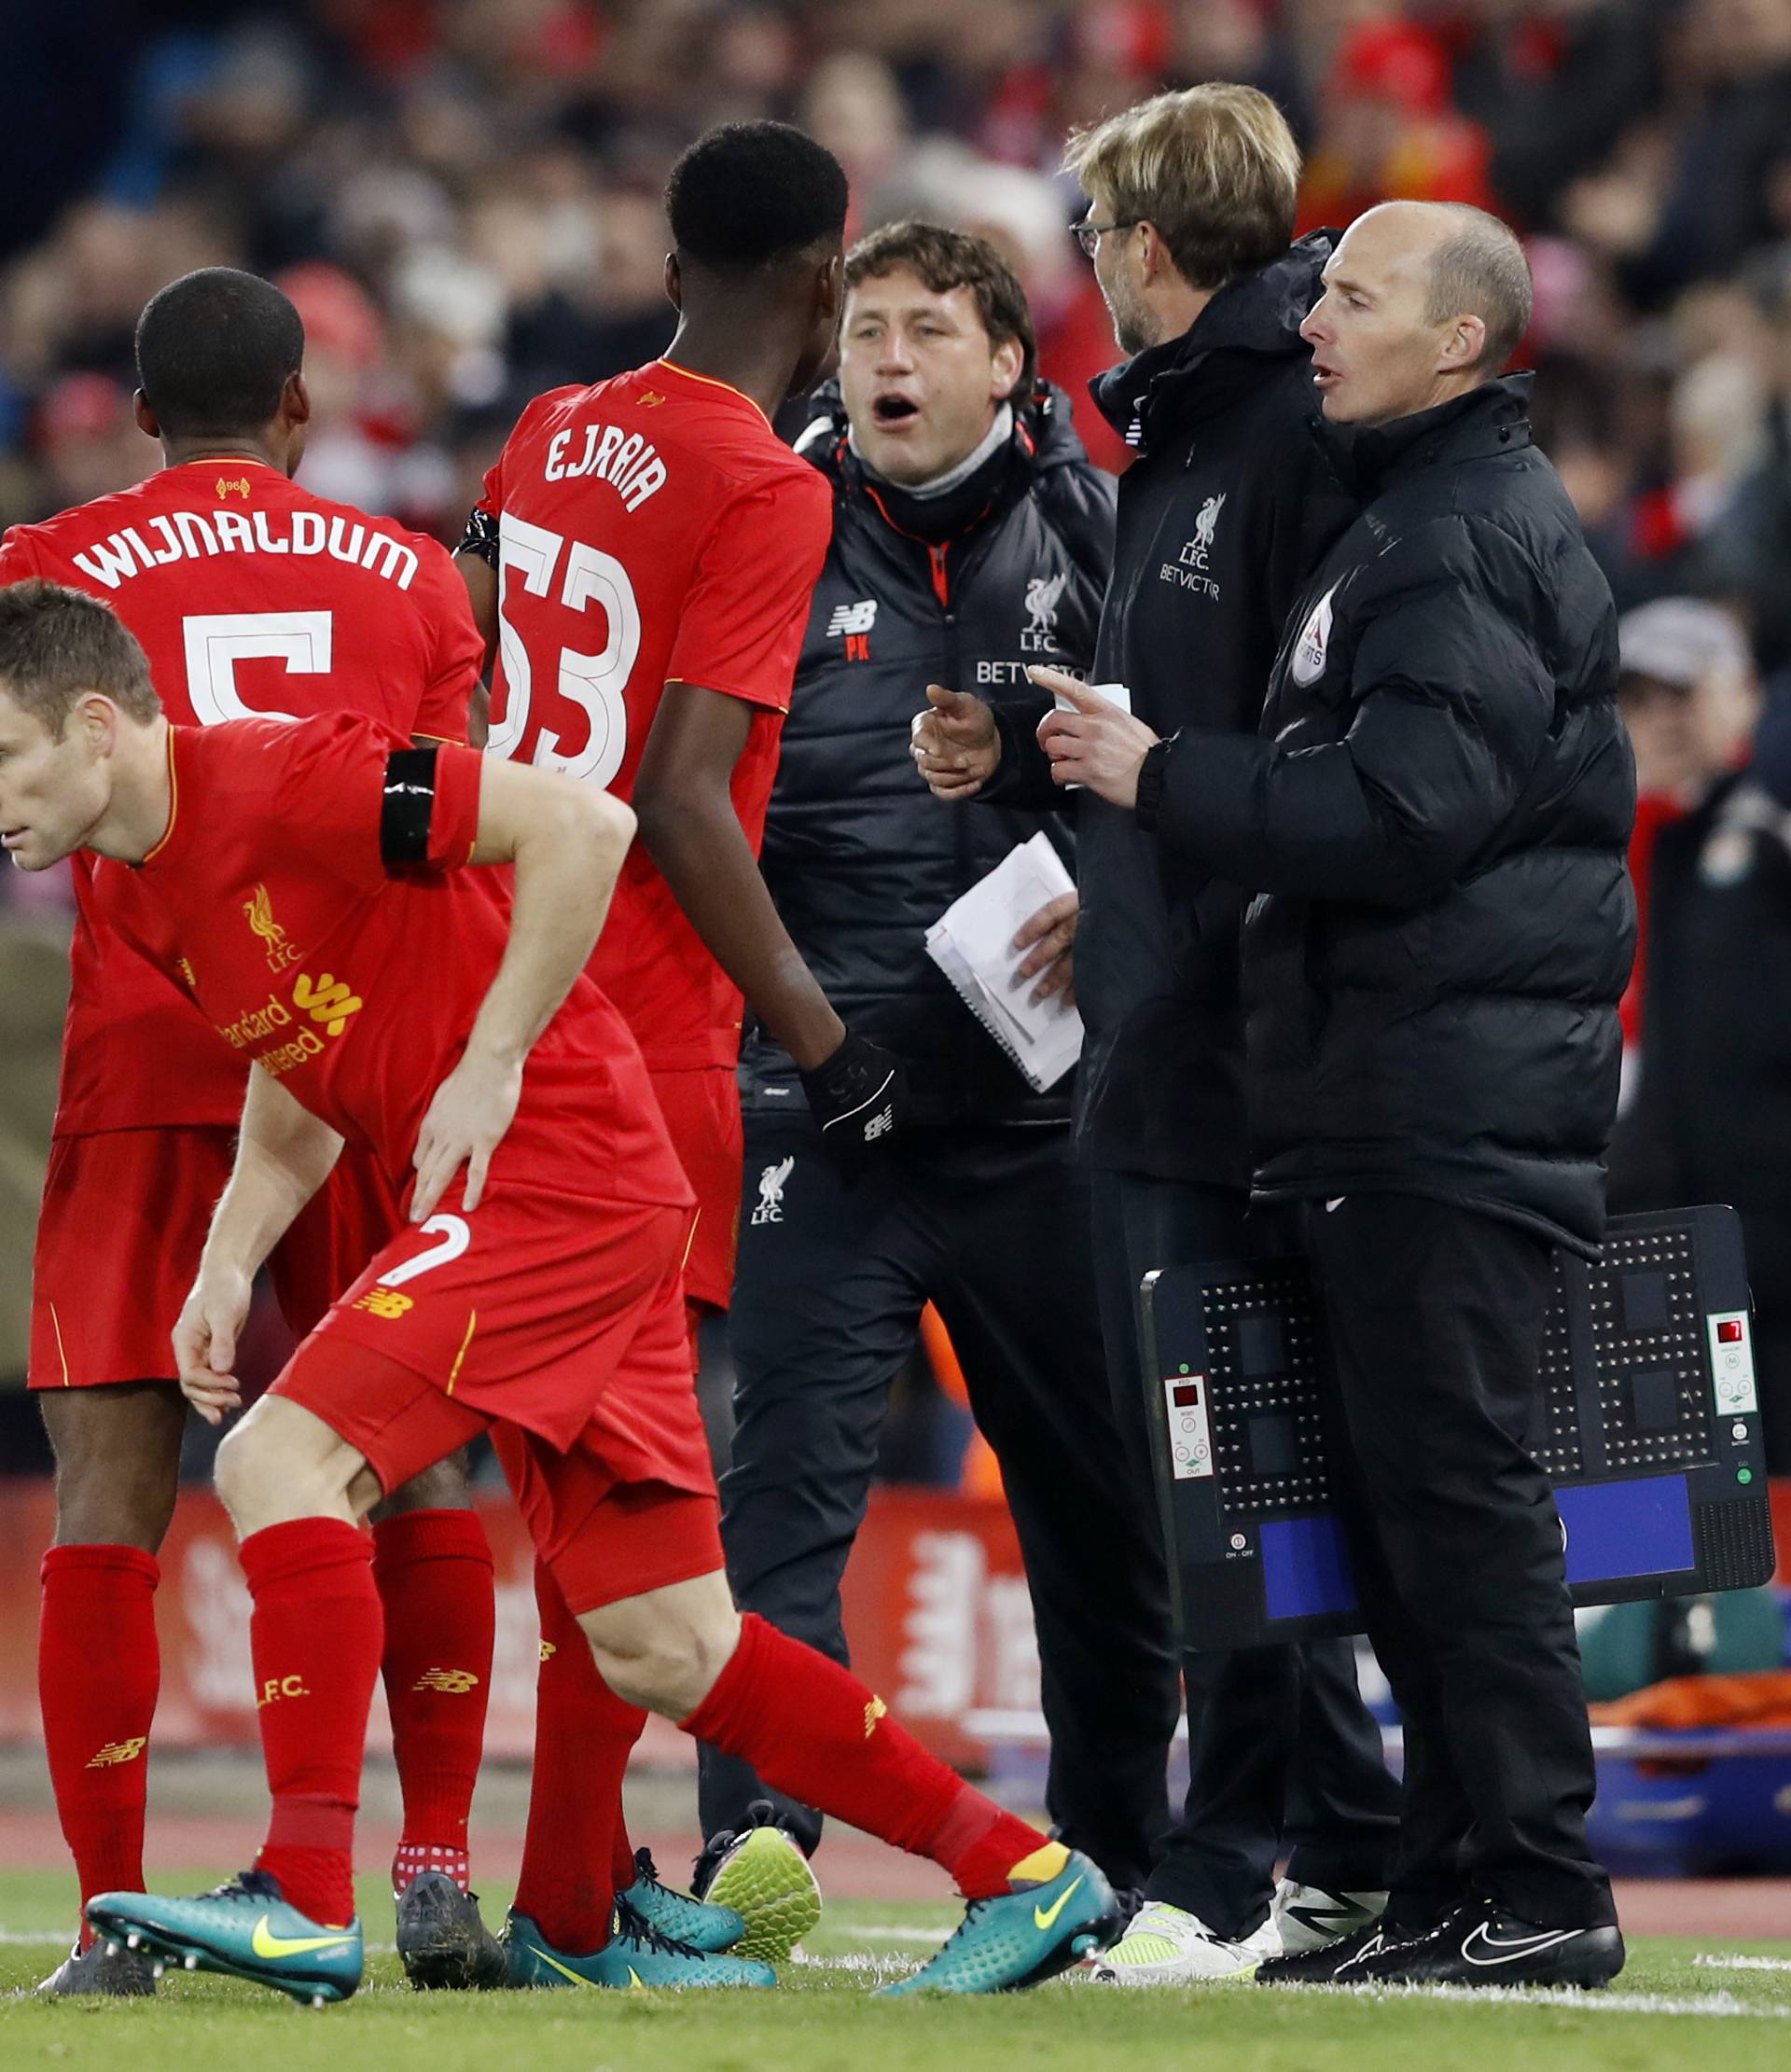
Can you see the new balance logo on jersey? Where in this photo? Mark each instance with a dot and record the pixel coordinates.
(881, 1124)
(874, 1711)
(770, 1191)
(852, 619)
(452, 1683)
(117, 1752)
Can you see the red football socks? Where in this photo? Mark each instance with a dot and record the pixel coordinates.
(584, 1735)
(98, 1672)
(433, 1569)
(814, 1733)
(316, 1637)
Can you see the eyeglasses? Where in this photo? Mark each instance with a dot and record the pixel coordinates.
(1088, 235)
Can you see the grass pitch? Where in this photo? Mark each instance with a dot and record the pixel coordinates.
(1669, 2009)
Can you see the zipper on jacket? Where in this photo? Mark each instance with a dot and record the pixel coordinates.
(941, 582)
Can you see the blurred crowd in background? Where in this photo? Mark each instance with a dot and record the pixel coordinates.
(461, 195)
(462, 198)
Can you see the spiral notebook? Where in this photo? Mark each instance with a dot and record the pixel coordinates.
(972, 942)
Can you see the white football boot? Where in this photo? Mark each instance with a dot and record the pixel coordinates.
(1166, 1945)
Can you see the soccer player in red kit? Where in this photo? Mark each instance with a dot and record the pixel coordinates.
(249, 594)
(642, 561)
(535, 1292)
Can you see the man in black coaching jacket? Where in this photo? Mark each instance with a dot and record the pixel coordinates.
(970, 533)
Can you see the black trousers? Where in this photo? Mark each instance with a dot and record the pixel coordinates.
(1283, 1753)
(992, 1226)
(1436, 1316)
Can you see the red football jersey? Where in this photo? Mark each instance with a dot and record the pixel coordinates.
(354, 982)
(249, 595)
(652, 529)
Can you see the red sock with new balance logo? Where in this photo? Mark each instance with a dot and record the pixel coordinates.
(814, 1733)
(99, 1670)
(434, 1573)
(316, 1636)
(584, 1735)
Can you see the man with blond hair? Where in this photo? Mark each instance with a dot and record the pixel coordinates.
(1221, 519)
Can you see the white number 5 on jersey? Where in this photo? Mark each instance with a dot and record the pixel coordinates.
(217, 641)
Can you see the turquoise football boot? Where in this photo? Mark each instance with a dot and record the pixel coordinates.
(700, 1923)
(635, 1959)
(244, 1929)
(1057, 1908)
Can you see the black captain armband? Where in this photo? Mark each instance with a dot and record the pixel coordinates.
(481, 537)
(407, 807)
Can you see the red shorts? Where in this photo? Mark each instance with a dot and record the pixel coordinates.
(701, 1110)
(353, 1213)
(122, 1224)
(559, 1325)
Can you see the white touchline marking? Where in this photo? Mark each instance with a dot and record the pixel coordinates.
(1718, 2004)
(902, 1935)
(881, 1967)
(1742, 1963)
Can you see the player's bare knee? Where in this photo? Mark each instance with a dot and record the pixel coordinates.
(663, 1651)
(282, 1463)
(118, 1464)
(243, 1474)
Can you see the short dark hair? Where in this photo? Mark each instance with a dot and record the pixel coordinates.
(215, 349)
(946, 260)
(1479, 269)
(748, 195)
(56, 642)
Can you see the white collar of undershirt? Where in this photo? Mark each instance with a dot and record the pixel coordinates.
(954, 478)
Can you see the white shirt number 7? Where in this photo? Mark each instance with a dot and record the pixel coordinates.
(594, 683)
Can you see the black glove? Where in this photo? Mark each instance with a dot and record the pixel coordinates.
(859, 1099)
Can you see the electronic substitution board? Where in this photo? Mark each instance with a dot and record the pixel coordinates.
(1650, 1422)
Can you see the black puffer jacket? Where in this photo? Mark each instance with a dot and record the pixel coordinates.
(860, 859)
(1222, 518)
(1435, 823)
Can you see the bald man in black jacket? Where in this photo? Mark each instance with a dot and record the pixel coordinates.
(1434, 823)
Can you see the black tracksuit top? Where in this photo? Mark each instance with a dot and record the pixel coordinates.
(1222, 517)
(860, 857)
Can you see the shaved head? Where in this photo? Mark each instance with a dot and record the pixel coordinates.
(1424, 301)
(1478, 269)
